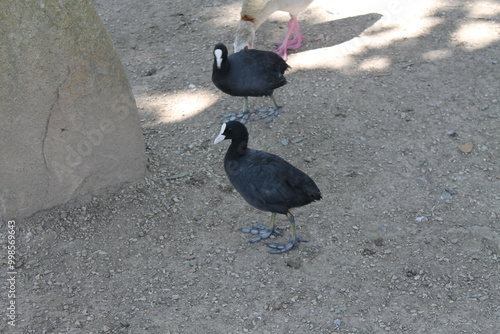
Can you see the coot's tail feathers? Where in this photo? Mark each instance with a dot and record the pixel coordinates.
(304, 188)
(265, 65)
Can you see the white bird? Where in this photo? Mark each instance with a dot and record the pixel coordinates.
(255, 12)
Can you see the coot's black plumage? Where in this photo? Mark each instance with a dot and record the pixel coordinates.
(265, 181)
(249, 73)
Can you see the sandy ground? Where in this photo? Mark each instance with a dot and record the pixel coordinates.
(392, 107)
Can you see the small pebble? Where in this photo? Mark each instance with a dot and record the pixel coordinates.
(445, 195)
(339, 310)
(294, 263)
(367, 252)
(379, 242)
(298, 140)
(466, 148)
(149, 72)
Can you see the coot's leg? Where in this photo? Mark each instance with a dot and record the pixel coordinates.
(263, 231)
(246, 114)
(294, 240)
(270, 113)
(243, 116)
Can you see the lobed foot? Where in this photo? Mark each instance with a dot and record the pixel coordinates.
(243, 117)
(263, 232)
(278, 249)
(270, 114)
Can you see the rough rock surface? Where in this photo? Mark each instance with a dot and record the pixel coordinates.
(69, 120)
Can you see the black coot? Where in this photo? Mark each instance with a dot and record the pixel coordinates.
(249, 73)
(267, 182)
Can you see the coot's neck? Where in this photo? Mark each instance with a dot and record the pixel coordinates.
(238, 148)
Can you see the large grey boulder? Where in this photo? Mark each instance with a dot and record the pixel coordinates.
(69, 125)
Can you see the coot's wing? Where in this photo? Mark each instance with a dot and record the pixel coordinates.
(257, 72)
(270, 183)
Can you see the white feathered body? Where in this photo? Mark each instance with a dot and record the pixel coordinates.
(255, 12)
(260, 10)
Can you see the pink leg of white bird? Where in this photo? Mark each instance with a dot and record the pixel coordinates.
(295, 43)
